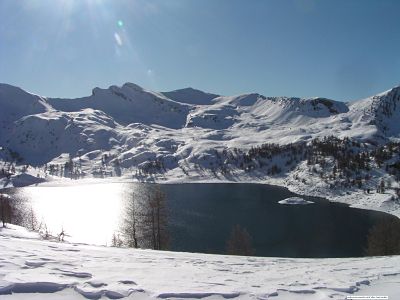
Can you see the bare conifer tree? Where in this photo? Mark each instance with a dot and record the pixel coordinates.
(5, 209)
(155, 219)
(384, 239)
(239, 242)
(131, 222)
(116, 240)
(31, 221)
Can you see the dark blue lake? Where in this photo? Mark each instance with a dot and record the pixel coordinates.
(200, 217)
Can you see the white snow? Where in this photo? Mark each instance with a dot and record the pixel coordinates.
(37, 269)
(191, 96)
(295, 201)
(132, 125)
(122, 119)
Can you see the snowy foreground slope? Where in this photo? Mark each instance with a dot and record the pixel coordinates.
(36, 269)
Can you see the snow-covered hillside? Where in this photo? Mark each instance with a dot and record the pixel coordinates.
(35, 269)
(17, 103)
(191, 96)
(343, 152)
(129, 104)
(40, 129)
(193, 135)
(380, 113)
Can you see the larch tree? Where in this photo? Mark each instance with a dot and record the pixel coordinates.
(5, 209)
(156, 219)
(239, 242)
(384, 239)
(131, 222)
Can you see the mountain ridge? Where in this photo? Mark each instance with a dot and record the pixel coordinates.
(130, 120)
(313, 146)
(191, 96)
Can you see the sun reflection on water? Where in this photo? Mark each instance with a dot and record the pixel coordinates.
(88, 213)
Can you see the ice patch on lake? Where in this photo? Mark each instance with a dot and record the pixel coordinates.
(295, 201)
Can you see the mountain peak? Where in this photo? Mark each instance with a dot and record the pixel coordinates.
(395, 89)
(191, 96)
(16, 102)
(133, 86)
(12, 89)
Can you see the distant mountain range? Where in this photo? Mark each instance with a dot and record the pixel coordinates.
(135, 125)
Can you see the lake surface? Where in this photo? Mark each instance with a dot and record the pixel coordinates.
(200, 217)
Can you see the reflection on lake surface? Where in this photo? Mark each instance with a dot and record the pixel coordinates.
(201, 217)
(88, 213)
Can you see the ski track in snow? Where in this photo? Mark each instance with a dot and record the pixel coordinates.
(32, 268)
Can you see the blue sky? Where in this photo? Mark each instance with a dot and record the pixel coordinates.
(344, 50)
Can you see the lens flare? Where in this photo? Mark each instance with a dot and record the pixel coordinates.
(120, 23)
(118, 39)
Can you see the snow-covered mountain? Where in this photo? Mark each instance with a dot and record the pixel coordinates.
(16, 103)
(380, 112)
(189, 135)
(136, 125)
(326, 148)
(191, 96)
(129, 104)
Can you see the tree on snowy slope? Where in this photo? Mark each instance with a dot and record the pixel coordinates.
(69, 167)
(5, 209)
(116, 241)
(239, 242)
(384, 239)
(155, 215)
(13, 210)
(131, 222)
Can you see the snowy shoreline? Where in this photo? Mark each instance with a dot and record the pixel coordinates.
(353, 198)
(129, 131)
(53, 270)
(356, 199)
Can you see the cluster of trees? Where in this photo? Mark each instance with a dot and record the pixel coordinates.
(152, 167)
(145, 225)
(15, 210)
(7, 171)
(9, 159)
(339, 162)
(145, 221)
(388, 156)
(73, 168)
(352, 157)
(68, 169)
(342, 162)
(272, 158)
(12, 210)
(11, 156)
(348, 155)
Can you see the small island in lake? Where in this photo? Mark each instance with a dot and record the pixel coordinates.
(295, 201)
